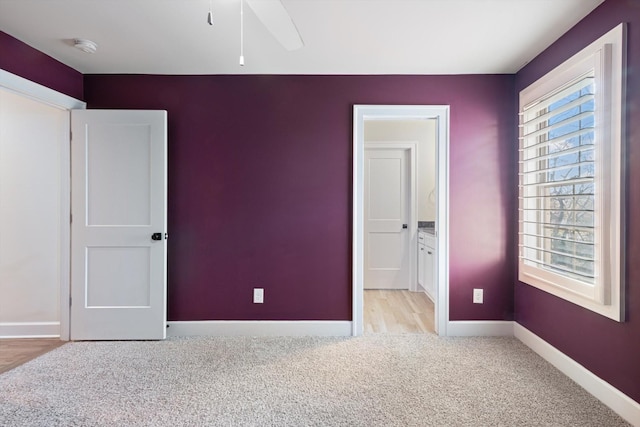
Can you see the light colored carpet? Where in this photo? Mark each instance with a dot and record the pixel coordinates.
(376, 380)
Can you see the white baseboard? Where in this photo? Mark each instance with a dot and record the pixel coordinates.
(29, 329)
(619, 402)
(259, 328)
(480, 328)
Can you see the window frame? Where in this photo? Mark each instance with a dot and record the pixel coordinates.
(606, 57)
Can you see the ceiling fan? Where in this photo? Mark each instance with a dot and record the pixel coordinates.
(276, 20)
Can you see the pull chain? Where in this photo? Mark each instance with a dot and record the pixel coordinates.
(242, 33)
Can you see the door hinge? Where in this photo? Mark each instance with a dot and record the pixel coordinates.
(70, 218)
(70, 301)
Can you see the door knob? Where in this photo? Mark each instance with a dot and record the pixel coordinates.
(156, 236)
(405, 226)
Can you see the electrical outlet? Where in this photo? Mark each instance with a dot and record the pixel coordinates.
(258, 295)
(477, 296)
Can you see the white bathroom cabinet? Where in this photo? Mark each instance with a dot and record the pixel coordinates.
(427, 263)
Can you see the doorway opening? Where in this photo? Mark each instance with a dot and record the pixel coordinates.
(119, 228)
(57, 322)
(373, 114)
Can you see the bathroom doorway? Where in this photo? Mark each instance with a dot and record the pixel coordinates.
(394, 119)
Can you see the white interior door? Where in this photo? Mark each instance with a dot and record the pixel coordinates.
(386, 212)
(119, 200)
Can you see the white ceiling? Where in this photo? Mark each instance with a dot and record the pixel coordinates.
(340, 36)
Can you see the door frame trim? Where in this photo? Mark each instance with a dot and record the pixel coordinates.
(40, 93)
(401, 112)
(412, 148)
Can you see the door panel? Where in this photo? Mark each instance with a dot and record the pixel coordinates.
(384, 250)
(386, 242)
(386, 188)
(119, 178)
(119, 277)
(119, 157)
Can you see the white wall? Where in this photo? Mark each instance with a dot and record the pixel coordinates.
(424, 132)
(32, 135)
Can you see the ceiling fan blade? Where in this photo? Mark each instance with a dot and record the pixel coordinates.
(276, 19)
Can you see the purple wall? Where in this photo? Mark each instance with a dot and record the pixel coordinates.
(18, 58)
(609, 349)
(260, 187)
(260, 190)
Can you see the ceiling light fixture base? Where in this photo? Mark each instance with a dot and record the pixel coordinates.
(85, 45)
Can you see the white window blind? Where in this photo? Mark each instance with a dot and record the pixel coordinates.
(557, 171)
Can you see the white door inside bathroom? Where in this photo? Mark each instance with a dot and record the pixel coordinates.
(119, 209)
(34, 141)
(386, 211)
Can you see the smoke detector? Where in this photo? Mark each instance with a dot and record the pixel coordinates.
(85, 45)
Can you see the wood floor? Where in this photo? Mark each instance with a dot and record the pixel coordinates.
(15, 352)
(397, 312)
